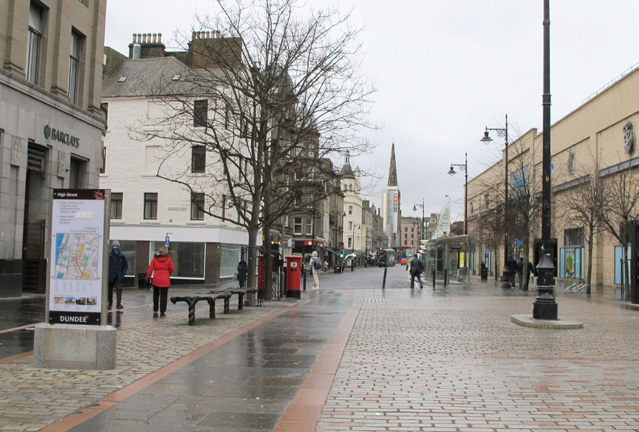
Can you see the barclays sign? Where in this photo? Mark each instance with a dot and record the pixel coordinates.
(60, 136)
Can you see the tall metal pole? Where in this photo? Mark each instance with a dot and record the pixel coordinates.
(422, 235)
(466, 194)
(505, 279)
(545, 306)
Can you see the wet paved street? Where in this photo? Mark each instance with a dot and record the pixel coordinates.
(351, 357)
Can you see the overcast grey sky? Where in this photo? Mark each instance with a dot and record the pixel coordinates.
(447, 69)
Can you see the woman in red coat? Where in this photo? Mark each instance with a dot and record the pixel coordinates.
(161, 268)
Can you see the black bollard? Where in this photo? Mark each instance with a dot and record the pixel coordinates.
(445, 277)
(304, 271)
(384, 282)
(434, 278)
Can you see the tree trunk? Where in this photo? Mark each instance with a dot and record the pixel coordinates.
(526, 270)
(252, 257)
(626, 280)
(591, 237)
(268, 263)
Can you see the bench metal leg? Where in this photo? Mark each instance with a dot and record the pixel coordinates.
(211, 308)
(227, 305)
(240, 301)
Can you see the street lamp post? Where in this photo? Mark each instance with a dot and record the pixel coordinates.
(505, 279)
(452, 172)
(421, 229)
(545, 306)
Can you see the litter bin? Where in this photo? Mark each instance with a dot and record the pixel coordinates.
(142, 281)
(484, 273)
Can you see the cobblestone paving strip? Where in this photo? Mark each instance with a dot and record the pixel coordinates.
(458, 364)
(32, 398)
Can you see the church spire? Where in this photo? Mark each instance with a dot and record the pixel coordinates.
(392, 172)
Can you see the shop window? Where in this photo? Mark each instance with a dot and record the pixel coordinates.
(188, 258)
(620, 276)
(127, 247)
(571, 262)
(488, 259)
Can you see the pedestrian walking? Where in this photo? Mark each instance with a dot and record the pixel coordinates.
(118, 266)
(416, 270)
(512, 270)
(242, 270)
(520, 271)
(325, 266)
(160, 269)
(315, 264)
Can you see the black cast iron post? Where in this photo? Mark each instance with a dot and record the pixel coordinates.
(505, 278)
(545, 306)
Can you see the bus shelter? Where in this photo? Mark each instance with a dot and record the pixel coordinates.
(447, 259)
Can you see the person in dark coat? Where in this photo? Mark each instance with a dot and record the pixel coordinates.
(242, 270)
(118, 266)
(520, 271)
(512, 268)
(160, 268)
(416, 270)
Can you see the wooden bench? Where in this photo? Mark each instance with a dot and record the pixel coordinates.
(191, 301)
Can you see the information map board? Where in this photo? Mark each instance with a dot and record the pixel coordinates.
(76, 262)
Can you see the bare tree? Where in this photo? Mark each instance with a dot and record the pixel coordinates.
(582, 205)
(506, 218)
(621, 190)
(269, 94)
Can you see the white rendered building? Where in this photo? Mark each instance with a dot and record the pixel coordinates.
(353, 226)
(146, 209)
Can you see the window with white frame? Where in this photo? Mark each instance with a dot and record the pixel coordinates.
(297, 225)
(198, 159)
(116, 205)
(200, 113)
(150, 205)
(197, 206)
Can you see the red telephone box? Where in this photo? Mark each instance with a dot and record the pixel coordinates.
(293, 276)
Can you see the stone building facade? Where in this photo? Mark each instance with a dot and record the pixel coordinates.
(591, 140)
(51, 123)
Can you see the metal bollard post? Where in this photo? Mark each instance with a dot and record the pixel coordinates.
(445, 277)
(304, 280)
(434, 277)
(384, 282)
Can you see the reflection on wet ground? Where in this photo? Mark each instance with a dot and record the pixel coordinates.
(16, 313)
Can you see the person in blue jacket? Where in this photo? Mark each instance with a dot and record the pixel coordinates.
(118, 266)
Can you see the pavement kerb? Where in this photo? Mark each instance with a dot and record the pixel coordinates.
(560, 324)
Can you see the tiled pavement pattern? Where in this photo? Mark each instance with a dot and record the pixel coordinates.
(459, 364)
(31, 398)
